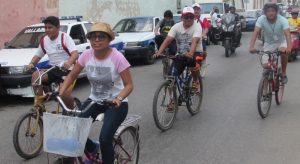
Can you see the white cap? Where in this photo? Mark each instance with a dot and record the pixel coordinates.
(196, 5)
(187, 10)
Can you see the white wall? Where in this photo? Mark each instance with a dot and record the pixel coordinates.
(111, 11)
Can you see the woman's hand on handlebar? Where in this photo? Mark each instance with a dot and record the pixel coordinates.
(116, 102)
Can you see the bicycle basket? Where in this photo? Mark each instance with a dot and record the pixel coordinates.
(65, 135)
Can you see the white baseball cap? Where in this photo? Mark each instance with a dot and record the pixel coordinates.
(188, 10)
(196, 5)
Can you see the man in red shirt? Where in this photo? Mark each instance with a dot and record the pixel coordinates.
(203, 22)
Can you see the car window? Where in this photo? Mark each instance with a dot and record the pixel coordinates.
(29, 37)
(134, 25)
(156, 21)
(177, 18)
(119, 26)
(77, 34)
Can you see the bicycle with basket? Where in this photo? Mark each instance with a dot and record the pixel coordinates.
(67, 134)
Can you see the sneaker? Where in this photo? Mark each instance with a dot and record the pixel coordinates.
(92, 157)
(284, 79)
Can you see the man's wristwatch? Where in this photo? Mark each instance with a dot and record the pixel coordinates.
(119, 98)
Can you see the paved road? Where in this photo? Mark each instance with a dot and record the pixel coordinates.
(227, 131)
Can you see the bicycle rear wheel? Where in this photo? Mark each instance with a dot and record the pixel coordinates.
(264, 97)
(194, 96)
(279, 88)
(165, 106)
(27, 143)
(127, 146)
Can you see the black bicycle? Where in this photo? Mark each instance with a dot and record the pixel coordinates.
(166, 101)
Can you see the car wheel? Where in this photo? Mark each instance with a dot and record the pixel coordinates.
(149, 57)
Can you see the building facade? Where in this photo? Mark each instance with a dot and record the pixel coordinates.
(15, 15)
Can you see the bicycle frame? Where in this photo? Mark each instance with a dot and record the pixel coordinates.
(271, 68)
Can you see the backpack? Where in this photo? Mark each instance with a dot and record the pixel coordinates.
(62, 44)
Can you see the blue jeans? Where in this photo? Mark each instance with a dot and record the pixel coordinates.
(113, 117)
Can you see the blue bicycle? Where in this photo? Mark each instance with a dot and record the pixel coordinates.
(166, 101)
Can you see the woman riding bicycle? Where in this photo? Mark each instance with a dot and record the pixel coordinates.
(110, 79)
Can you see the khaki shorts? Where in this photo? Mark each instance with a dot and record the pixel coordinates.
(271, 48)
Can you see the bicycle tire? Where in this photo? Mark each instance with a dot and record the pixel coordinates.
(190, 93)
(164, 86)
(21, 152)
(268, 96)
(119, 158)
(279, 88)
(165, 66)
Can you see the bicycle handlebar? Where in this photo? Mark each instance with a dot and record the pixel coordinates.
(76, 109)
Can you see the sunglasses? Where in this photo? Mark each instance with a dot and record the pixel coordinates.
(189, 17)
(100, 36)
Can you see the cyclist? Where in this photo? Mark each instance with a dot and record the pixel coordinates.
(203, 22)
(276, 34)
(187, 34)
(205, 25)
(161, 31)
(59, 46)
(238, 30)
(110, 79)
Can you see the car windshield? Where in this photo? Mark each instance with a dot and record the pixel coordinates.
(134, 25)
(206, 8)
(29, 37)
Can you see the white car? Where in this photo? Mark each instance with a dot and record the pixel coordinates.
(138, 35)
(18, 52)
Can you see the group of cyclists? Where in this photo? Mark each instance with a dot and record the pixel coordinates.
(108, 71)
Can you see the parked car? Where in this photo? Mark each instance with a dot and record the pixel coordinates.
(251, 18)
(18, 52)
(138, 35)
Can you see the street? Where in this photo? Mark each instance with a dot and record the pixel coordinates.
(228, 130)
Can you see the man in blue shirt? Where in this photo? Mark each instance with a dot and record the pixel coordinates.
(276, 34)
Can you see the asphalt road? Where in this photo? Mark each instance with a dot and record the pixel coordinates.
(227, 131)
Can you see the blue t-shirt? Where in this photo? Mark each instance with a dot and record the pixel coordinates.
(273, 32)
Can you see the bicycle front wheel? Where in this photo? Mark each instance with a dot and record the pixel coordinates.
(194, 96)
(279, 88)
(165, 106)
(166, 66)
(127, 146)
(28, 135)
(264, 97)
